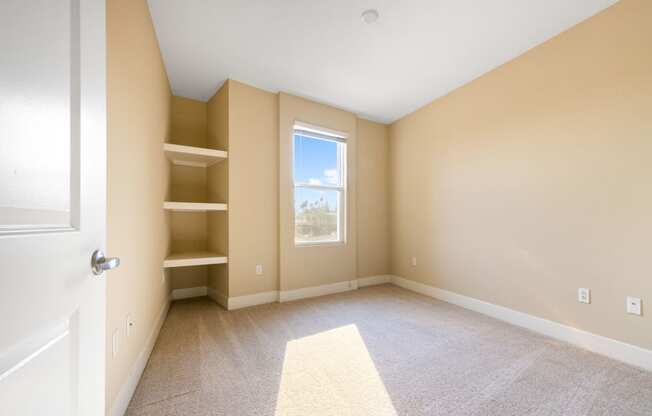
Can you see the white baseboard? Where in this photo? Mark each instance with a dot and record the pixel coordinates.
(375, 280)
(220, 299)
(416, 287)
(189, 292)
(123, 398)
(261, 298)
(238, 302)
(306, 292)
(612, 348)
(313, 291)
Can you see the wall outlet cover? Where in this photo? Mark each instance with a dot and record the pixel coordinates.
(583, 295)
(414, 261)
(633, 305)
(259, 269)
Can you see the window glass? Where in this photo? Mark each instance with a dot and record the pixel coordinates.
(316, 161)
(319, 192)
(316, 215)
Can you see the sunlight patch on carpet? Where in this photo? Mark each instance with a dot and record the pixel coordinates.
(331, 373)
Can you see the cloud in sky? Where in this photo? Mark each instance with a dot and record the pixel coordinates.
(331, 176)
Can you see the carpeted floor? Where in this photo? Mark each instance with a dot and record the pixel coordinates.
(375, 351)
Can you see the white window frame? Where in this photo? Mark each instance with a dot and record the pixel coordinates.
(321, 133)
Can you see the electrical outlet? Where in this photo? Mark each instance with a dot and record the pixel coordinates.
(259, 269)
(633, 305)
(414, 261)
(129, 325)
(583, 295)
(114, 342)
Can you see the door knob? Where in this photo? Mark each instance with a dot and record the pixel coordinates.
(99, 263)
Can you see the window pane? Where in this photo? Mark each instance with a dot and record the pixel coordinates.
(316, 215)
(316, 161)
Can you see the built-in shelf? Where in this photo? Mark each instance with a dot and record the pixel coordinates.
(201, 258)
(194, 206)
(193, 156)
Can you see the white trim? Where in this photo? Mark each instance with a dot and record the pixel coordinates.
(321, 187)
(200, 258)
(313, 128)
(123, 398)
(612, 348)
(375, 280)
(313, 291)
(189, 292)
(193, 156)
(416, 287)
(220, 299)
(62, 332)
(261, 298)
(189, 164)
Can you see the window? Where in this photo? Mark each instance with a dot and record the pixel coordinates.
(319, 185)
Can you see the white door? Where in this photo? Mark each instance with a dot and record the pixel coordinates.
(52, 206)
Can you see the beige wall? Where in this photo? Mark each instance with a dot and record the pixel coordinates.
(188, 122)
(373, 199)
(189, 231)
(534, 180)
(218, 191)
(253, 185)
(307, 266)
(138, 124)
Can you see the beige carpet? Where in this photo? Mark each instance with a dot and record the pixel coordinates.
(375, 351)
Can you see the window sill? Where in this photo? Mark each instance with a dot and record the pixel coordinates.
(324, 244)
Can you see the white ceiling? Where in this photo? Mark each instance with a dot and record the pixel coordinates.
(320, 49)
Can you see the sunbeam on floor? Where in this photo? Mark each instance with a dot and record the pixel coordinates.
(331, 373)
